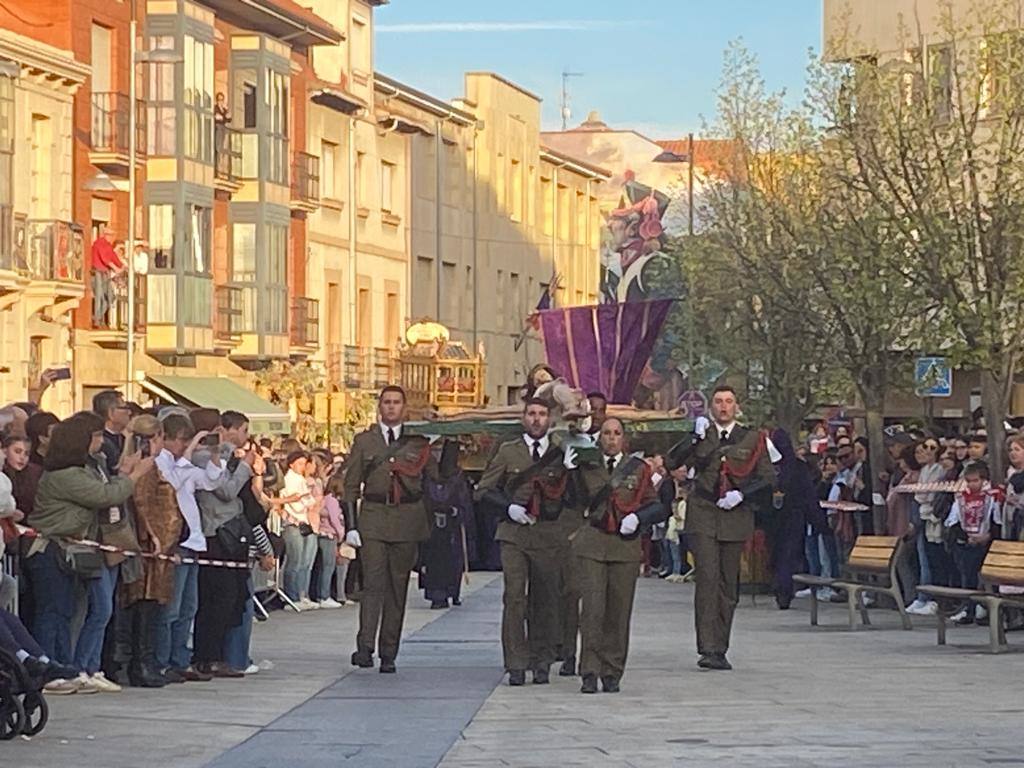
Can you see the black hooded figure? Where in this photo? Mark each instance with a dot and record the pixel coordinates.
(450, 506)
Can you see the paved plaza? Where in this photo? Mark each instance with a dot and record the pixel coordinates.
(798, 697)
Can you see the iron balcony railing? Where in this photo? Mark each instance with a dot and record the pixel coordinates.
(305, 326)
(227, 153)
(55, 250)
(110, 124)
(228, 317)
(306, 178)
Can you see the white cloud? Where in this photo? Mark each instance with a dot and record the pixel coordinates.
(569, 25)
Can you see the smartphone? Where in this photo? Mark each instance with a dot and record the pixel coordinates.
(212, 440)
(61, 374)
(142, 446)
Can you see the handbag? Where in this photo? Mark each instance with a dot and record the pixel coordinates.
(84, 561)
(234, 537)
(305, 529)
(346, 553)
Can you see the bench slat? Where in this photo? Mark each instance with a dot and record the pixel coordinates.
(996, 575)
(1005, 561)
(1001, 547)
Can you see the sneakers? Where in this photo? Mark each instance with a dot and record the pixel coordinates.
(62, 687)
(252, 669)
(923, 608)
(330, 602)
(305, 604)
(806, 592)
(107, 686)
(825, 595)
(89, 683)
(980, 613)
(959, 616)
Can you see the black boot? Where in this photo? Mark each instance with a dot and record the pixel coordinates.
(568, 667)
(143, 671)
(123, 649)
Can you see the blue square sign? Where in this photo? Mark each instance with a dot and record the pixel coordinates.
(933, 377)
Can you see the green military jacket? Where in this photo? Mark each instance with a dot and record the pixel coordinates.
(500, 485)
(703, 516)
(370, 479)
(630, 489)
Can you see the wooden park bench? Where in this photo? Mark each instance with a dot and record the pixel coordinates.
(872, 556)
(1003, 566)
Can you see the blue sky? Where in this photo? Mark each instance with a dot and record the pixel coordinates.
(652, 65)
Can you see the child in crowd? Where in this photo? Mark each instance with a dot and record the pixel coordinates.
(970, 520)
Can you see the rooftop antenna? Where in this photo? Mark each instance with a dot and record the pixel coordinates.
(566, 111)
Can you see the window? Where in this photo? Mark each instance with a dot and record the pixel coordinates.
(100, 55)
(276, 281)
(198, 115)
(334, 312)
(387, 172)
(364, 322)
(391, 310)
(581, 218)
(563, 213)
(201, 239)
(450, 314)
(517, 299)
(516, 191)
(360, 178)
(249, 105)
(161, 236)
(499, 321)
(162, 132)
(547, 196)
(940, 68)
(499, 182)
(6, 167)
(531, 197)
(358, 49)
(328, 169)
(40, 206)
(277, 128)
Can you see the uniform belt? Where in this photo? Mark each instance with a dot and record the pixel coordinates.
(383, 498)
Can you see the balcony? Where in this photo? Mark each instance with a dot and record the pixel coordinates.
(305, 182)
(227, 320)
(112, 333)
(110, 132)
(227, 173)
(305, 326)
(55, 251)
(368, 368)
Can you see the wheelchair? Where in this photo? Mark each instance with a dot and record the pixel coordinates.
(23, 710)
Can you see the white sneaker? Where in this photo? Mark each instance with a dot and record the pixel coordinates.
(330, 603)
(869, 600)
(916, 607)
(803, 593)
(62, 687)
(107, 686)
(931, 608)
(825, 594)
(87, 684)
(959, 616)
(980, 613)
(252, 669)
(309, 604)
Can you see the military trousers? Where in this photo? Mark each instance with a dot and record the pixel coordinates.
(386, 567)
(569, 602)
(717, 567)
(530, 616)
(607, 590)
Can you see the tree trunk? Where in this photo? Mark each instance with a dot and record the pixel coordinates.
(873, 408)
(994, 402)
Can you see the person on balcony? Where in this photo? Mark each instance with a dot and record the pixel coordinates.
(105, 266)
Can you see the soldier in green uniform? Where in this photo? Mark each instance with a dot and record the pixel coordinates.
(527, 477)
(386, 519)
(733, 474)
(621, 501)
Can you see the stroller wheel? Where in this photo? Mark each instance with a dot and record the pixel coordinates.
(36, 713)
(12, 716)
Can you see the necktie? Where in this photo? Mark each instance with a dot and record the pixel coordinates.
(391, 435)
(536, 450)
(611, 464)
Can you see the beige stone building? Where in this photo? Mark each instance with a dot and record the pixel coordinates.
(41, 249)
(513, 213)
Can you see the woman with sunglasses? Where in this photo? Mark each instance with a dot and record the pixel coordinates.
(931, 549)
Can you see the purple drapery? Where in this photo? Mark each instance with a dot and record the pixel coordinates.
(605, 347)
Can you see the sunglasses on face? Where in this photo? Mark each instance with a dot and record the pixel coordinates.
(932, 446)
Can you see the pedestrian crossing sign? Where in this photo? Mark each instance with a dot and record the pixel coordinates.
(933, 377)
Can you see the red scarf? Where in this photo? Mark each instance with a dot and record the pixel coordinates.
(972, 511)
(545, 491)
(732, 470)
(618, 507)
(413, 468)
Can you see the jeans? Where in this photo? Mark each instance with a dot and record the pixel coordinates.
(238, 638)
(89, 648)
(176, 624)
(300, 552)
(924, 571)
(55, 602)
(813, 545)
(102, 297)
(671, 557)
(328, 567)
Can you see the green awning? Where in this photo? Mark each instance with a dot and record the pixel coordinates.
(223, 394)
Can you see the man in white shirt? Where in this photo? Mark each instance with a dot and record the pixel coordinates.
(175, 466)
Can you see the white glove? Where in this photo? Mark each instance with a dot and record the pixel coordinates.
(517, 513)
(571, 459)
(629, 524)
(353, 539)
(730, 500)
(700, 426)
